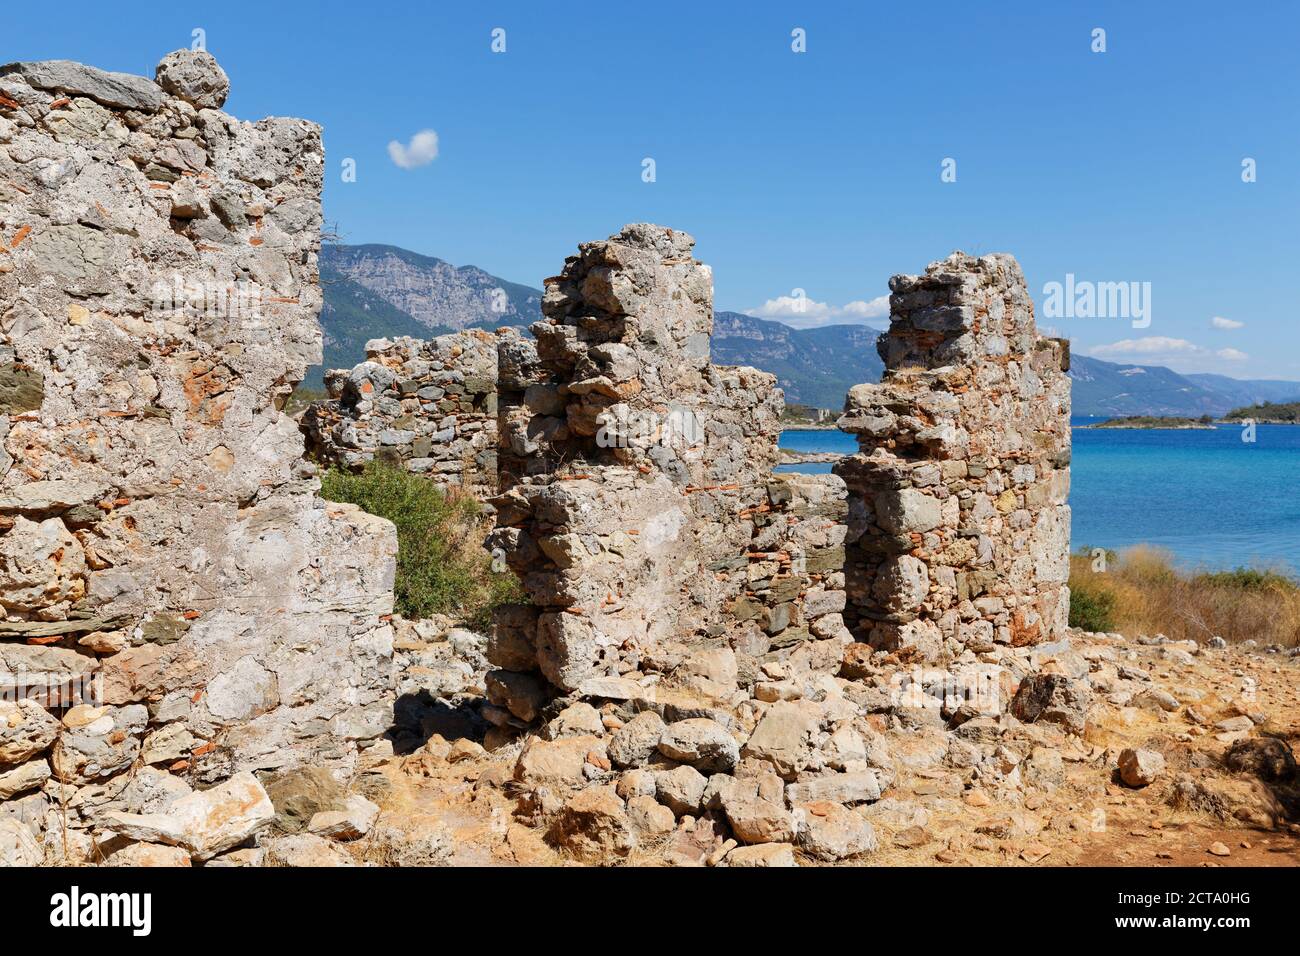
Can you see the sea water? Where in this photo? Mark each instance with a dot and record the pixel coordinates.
(1211, 498)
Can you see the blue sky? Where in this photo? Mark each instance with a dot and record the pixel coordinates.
(817, 171)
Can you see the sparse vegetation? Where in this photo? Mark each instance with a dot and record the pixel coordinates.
(441, 564)
(1141, 592)
(1282, 412)
(1155, 421)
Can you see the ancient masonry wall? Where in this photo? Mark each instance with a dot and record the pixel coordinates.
(430, 407)
(159, 529)
(958, 525)
(643, 518)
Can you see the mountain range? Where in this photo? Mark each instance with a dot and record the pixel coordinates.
(374, 291)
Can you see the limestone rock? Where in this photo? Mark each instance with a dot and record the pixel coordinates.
(593, 825)
(149, 854)
(702, 743)
(118, 90)
(681, 789)
(831, 832)
(754, 820)
(206, 822)
(761, 855)
(305, 849)
(350, 823)
(23, 778)
(301, 794)
(1140, 768)
(105, 745)
(782, 738)
(635, 742)
(26, 729)
(556, 763)
(194, 76)
(1053, 698)
(18, 845)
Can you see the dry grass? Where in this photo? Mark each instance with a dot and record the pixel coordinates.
(1140, 592)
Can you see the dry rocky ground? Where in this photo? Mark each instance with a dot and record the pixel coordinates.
(1104, 751)
(1184, 759)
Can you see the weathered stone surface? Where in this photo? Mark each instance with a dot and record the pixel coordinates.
(1053, 698)
(1139, 767)
(23, 778)
(783, 739)
(681, 789)
(305, 849)
(36, 497)
(300, 794)
(593, 825)
(576, 720)
(206, 822)
(117, 90)
(702, 743)
(350, 823)
(831, 832)
(649, 818)
(556, 763)
(755, 820)
(635, 742)
(149, 854)
(18, 845)
(195, 77)
(158, 301)
(105, 741)
(853, 787)
(958, 529)
(26, 729)
(762, 855)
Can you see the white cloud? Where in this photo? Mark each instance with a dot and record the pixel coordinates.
(420, 151)
(1179, 354)
(1149, 345)
(801, 312)
(1219, 322)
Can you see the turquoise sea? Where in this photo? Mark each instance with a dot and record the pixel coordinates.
(1210, 498)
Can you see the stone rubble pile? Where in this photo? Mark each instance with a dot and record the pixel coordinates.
(179, 604)
(958, 527)
(429, 407)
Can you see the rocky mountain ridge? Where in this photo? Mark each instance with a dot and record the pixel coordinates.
(376, 291)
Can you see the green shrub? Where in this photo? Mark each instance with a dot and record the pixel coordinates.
(441, 565)
(1092, 608)
(1246, 579)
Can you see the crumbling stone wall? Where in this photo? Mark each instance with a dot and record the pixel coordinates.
(430, 406)
(159, 529)
(958, 528)
(640, 465)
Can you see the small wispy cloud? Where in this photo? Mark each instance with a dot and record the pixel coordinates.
(1219, 322)
(420, 151)
(804, 313)
(1179, 354)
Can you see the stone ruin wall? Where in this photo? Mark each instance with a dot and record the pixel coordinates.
(159, 528)
(161, 533)
(429, 407)
(641, 512)
(958, 524)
